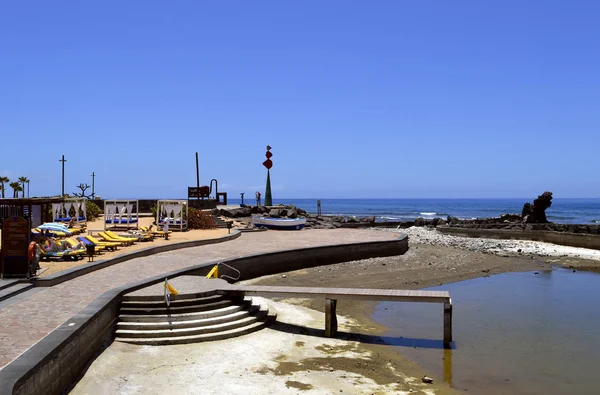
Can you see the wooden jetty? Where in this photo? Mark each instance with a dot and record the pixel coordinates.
(332, 295)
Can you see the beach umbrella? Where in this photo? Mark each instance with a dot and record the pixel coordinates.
(54, 228)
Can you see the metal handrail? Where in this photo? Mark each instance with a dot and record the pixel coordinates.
(232, 268)
(167, 293)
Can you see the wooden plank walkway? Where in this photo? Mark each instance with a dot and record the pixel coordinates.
(332, 295)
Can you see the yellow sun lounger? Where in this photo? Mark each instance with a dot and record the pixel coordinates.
(110, 238)
(155, 233)
(108, 244)
(73, 243)
(117, 237)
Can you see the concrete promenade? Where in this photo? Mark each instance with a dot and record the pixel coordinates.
(28, 320)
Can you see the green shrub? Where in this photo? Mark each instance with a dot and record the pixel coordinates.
(198, 219)
(92, 209)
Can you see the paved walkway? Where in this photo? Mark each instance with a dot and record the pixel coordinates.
(24, 323)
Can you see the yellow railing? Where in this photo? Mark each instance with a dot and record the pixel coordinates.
(214, 272)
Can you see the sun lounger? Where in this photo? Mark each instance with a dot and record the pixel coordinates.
(155, 233)
(123, 238)
(74, 243)
(112, 239)
(107, 244)
(64, 255)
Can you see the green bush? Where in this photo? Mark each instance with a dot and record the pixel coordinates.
(92, 209)
(198, 219)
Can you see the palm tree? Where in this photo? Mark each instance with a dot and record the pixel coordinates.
(16, 186)
(23, 180)
(2, 181)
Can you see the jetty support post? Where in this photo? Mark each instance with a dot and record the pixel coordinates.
(448, 324)
(331, 324)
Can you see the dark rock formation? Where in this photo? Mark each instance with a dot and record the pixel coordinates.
(536, 213)
(420, 221)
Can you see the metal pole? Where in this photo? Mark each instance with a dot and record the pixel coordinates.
(93, 177)
(197, 172)
(63, 160)
(27, 188)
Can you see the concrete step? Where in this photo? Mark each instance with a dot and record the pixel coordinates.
(197, 330)
(253, 327)
(8, 283)
(13, 290)
(192, 323)
(174, 302)
(178, 309)
(145, 298)
(184, 316)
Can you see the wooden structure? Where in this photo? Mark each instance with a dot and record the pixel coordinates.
(121, 214)
(17, 217)
(332, 295)
(175, 211)
(36, 210)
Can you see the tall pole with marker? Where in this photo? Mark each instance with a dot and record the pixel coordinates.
(268, 164)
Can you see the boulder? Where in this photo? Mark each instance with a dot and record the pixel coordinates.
(452, 220)
(420, 221)
(292, 213)
(536, 213)
(274, 213)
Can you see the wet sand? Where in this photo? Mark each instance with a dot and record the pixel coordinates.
(422, 266)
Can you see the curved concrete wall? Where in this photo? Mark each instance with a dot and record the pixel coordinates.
(55, 363)
(561, 238)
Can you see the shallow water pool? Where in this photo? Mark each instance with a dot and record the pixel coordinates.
(514, 333)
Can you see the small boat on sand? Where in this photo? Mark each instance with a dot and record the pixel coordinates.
(279, 223)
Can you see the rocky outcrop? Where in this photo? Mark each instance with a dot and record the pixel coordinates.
(536, 213)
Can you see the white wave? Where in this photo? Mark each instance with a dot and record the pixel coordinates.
(428, 213)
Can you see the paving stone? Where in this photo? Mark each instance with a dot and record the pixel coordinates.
(24, 323)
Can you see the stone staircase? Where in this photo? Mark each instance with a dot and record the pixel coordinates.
(220, 222)
(190, 318)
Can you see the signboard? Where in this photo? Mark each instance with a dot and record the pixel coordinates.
(15, 241)
(195, 192)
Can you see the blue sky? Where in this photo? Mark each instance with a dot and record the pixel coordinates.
(358, 99)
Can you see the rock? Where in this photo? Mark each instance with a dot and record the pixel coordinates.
(452, 220)
(292, 213)
(420, 221)
(536, 212)
(427, 380)
(236, 212)
(274, 213)
(283, 213)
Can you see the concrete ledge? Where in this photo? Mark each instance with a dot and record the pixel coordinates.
(561, 238)
(56, 362)
(70, 274)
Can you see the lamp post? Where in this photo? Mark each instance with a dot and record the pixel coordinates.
(63, 160)
(27, 188)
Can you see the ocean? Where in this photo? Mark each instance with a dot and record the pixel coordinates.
(573, 211)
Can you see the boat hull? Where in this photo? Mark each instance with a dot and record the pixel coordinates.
(279, 223)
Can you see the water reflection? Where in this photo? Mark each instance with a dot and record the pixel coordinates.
(517, 333)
